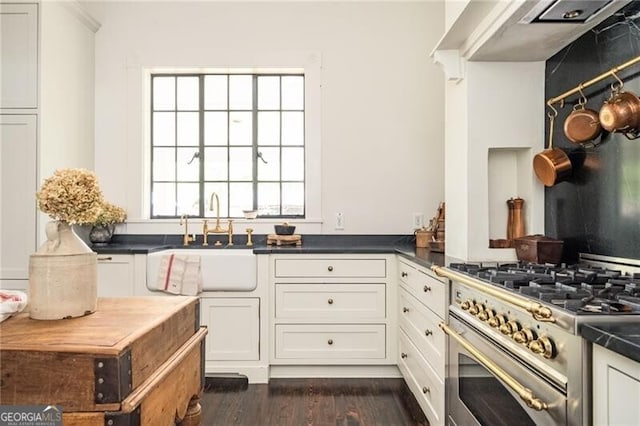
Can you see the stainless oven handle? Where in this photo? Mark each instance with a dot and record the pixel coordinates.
(524, 393)
(539, 312)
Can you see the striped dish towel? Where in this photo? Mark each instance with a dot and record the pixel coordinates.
(180, 274)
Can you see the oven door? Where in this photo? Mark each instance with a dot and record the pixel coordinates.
(487, 386)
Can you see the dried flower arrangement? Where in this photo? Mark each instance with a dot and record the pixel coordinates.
(71, 195)
(110, 214)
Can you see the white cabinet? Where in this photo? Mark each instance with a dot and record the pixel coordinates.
(616, 388)
(234, 328)
(18, 187)
(332, 309)
(116, 275)
(19, 59)
(422, 305)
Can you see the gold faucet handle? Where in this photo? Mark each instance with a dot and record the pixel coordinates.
(249, 232)
(205, 232)
(230, 231)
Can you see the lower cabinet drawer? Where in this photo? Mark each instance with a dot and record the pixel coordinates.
(421, 325)
(330, 341)
(331, 268)
(425, 287)
(323, 302)
(425, 384)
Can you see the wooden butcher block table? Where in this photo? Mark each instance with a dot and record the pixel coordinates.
(135, 361)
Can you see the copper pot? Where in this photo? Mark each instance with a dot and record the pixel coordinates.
(621, 113)
(552, 165)
(582, 124)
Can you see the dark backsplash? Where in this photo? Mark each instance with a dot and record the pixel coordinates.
(598, 209)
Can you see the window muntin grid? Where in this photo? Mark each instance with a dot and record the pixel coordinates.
(239, 135)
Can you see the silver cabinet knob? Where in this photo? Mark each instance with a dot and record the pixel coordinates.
(330, 268)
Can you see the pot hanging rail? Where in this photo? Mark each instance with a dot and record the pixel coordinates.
(611, 73)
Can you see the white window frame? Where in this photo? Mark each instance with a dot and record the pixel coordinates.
(138, 93)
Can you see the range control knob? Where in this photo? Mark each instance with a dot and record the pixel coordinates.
(466, 305)
(543, 346)
(486, 315)
(524, 336)
(497, 321)
(476, 309)
(509, 327)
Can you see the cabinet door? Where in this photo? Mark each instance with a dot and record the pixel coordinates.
(234, 328)
(18, 186)
(115, 275)
(19, 59)
(616, 388)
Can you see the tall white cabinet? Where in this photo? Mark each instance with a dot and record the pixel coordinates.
(18, 140)
(19, 58)
(17, 186)
(46, 116)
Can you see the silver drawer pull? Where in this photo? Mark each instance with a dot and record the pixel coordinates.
(426, 288)
(405, 309)
(330, 268)
(403, 355)
(426, 390)
(105, 258)
(404, 274)
(428, 332)
(330, 301)
(330, 341)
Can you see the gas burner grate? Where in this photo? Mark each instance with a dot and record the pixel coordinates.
(581, 289)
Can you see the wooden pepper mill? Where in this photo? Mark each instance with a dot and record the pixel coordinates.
(518, 229)
(510, 220)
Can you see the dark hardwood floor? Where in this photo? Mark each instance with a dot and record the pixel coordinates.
(316, 402)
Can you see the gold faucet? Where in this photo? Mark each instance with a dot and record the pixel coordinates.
(186, 239)
(217, 229)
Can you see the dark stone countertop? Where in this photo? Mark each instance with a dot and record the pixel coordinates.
(404, 245)
(421, 256)
(623, 338)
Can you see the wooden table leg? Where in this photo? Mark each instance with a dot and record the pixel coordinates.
(193, 415)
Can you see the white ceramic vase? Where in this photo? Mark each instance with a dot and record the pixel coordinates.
(63, 276)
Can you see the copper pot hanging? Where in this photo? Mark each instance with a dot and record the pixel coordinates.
(621, 112)
(583, 124)
(552, 165)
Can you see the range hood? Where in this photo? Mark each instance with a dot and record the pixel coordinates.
(523, 30)
(565, 11)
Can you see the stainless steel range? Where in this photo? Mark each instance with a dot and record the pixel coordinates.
(515, 353)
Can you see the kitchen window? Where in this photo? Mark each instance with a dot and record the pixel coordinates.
(241, 136)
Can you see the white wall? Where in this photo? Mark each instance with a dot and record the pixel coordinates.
(381, 98)
(497, 106)
(66, 119)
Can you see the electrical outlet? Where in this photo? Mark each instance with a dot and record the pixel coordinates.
(339, 220)
(418, 220)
